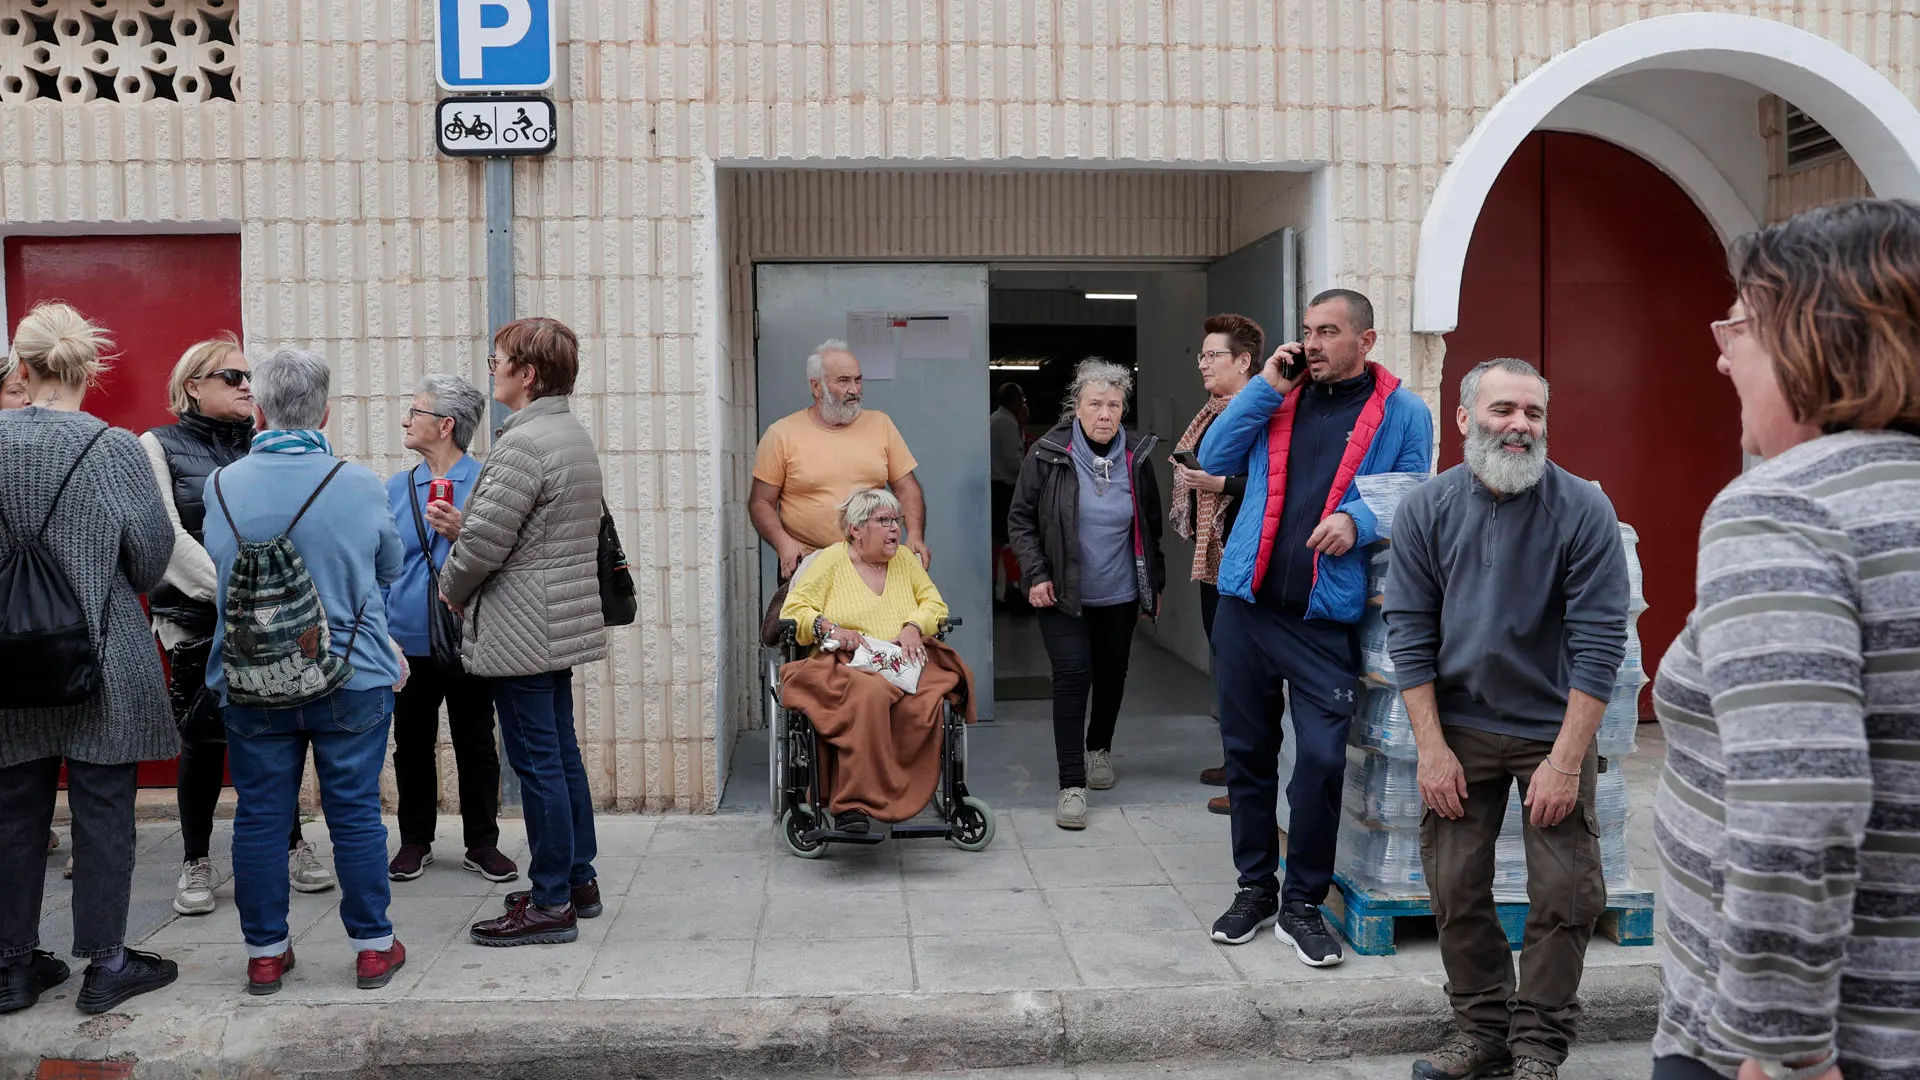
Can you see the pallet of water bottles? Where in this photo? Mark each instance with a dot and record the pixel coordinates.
(1369, 918)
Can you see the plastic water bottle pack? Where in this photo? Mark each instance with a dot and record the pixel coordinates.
(1621, 722)
(1383, 716)
(1383, 859)
(1382, 791)
(1376, 663)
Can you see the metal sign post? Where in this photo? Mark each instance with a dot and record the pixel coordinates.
(499, 262)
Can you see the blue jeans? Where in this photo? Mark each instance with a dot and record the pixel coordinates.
(266, 751)
(536, 727)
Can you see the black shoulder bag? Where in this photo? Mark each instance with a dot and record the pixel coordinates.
(443, 626)
(618, 606)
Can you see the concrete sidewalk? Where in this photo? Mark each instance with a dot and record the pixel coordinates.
(719, 954)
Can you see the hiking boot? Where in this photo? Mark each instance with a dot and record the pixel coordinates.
(489, 863)
(264, 972)
(1301, 926)
(193, 893)
(22, 984)
(1462, 1057)
(1214, 777)
(305, 871)
(103, 990)
(526, 924)
(1253, 907)
(409, 862)
(586, 899)
(1533, 1068)
(373, 970)
(1220, 804)
(1072, 813)
(1099, 769)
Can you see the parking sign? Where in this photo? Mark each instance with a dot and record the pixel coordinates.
(494, 44)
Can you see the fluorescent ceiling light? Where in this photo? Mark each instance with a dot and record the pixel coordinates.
(997, 366)
(1112, 296)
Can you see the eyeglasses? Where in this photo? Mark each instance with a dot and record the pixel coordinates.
(884, 522)
(231, 376)
(494, 360)
(1214, 356)
(412, 413)
(1723, 331)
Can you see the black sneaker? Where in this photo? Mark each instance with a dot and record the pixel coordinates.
(1301, 926)
(103, 989)
(1253, 907)
(853, 821)
(22, 984)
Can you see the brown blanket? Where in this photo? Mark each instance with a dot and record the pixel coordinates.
(880, 749)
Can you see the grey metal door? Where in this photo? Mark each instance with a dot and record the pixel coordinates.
(940, 406)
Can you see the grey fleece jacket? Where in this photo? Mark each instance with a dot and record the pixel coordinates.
(1507, 605)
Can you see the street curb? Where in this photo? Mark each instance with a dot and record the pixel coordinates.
(860, 1035)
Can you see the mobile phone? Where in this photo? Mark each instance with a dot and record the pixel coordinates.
(1187, 457)
(1293, 366)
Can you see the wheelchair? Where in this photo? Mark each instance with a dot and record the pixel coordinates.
(800, 816)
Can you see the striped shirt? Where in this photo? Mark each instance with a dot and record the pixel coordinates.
(1788, 818)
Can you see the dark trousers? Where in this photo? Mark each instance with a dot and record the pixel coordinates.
(1675, 1067)
(1264, 658)
(416, 764)
(536, 726)
(1565, 895)
(1209, 607)
(202, 769)
(101, 798)
(1089, 654)
(1002, 503)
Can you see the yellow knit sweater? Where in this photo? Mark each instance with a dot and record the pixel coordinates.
(832, 587)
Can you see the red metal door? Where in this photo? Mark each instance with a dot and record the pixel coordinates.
(156, 295)
(1591, 263)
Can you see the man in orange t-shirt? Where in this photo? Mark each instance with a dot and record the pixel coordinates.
(809, 462)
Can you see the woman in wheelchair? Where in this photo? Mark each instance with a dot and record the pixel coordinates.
(880, 734)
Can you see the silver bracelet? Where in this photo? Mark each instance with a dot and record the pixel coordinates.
(1558, 769)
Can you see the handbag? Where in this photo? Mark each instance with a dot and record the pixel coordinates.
(443, 626)
(889, 661)
(618, 607)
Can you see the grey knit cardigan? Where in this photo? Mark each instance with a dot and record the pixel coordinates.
(111, 536)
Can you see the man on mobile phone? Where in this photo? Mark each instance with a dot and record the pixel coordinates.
(1293, 583)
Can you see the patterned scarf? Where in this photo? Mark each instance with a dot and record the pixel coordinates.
(1203, 528)
(292, 441)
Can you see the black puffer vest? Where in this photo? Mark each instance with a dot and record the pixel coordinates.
(195, 447)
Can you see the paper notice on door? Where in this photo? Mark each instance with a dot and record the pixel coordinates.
(870, 336)
(936, 337)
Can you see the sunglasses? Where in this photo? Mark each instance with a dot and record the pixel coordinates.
(231, 376)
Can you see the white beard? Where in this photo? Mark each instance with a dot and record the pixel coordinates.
(1508, 474)
(838, 411)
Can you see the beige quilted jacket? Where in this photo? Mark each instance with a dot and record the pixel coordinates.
(524, 566)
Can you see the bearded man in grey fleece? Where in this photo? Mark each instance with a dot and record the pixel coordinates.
(1506, 614)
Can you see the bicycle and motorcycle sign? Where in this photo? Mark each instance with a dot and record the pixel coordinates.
(502, 126)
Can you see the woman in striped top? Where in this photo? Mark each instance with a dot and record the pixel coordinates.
(1788, 818)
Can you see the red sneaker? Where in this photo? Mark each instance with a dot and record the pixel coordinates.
(263, 972)
(375, 969)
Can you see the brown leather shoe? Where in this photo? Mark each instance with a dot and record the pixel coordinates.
(1219, 804)
(586, 899)
(525, 924)
(1214, 777)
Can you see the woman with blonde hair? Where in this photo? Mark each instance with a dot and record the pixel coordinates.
(211, 392)
(79, 495)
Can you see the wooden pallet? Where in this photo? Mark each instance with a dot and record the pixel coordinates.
(1366, 918)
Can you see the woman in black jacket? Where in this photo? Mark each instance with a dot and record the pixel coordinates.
(1085, 525)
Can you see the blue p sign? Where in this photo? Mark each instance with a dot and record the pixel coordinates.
(495, 44)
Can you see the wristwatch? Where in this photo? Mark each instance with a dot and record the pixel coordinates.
(1780, 1070)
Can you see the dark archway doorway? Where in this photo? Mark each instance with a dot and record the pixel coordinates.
(1593, 265)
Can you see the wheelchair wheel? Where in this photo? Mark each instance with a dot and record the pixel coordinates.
(972, 825)
(794, 823)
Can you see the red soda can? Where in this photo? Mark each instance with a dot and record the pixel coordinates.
(440, 490)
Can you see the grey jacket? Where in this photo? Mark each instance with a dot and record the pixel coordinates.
(111, 536)
(524, 566)
(1507, 605)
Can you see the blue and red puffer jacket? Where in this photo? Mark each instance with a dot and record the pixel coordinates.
(1393, 434)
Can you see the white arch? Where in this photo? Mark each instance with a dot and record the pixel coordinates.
(1863, 110)
(1670, 151)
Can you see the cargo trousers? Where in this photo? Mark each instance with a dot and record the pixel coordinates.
(1566, 894)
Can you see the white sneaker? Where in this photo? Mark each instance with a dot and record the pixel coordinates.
(305, 872)
(1099, 769)
(193, 895)
(1072, 813)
